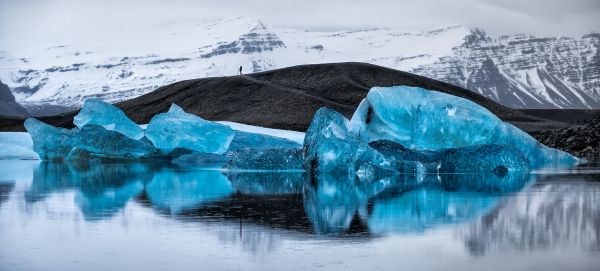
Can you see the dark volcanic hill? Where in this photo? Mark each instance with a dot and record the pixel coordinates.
(8, 105)
(287, 98)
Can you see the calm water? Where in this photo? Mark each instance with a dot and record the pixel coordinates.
(56, 216)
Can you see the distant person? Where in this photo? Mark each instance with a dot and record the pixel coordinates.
(240, 70)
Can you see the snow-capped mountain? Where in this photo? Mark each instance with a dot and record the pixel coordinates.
(519, 71)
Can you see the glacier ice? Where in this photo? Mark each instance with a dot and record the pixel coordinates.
(94, 141)
(177, 129)
(91, 141)
(201, 160)
(397, 151)
(428, 120)
(257, 159)
(16, 145)
(329, 146)
(51, 142)
(254, 140)
(483, 158)
(98, 112)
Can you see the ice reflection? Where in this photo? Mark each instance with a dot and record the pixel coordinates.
(175, 190)
(101, 189)
(324, 204)
(554, 213)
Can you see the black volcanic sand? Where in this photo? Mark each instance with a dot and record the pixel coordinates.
(287, 98)
(581, 140)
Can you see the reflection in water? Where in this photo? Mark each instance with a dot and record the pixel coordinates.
(554, 213)
(331, 202)
(176, 191)
(5, 188)
(326, 204)
(423, 208)
(102, 189)
(495, 182)
(215, 215)
(267, 183)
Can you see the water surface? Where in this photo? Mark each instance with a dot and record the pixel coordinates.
(73, 216)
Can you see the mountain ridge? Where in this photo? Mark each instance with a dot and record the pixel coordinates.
(520, 71)
(287, 98)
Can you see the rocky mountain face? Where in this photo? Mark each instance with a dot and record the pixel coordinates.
(524, 71)
(520, 71)
(8, 105)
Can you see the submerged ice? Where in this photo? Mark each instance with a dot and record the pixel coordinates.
(428, 120)
(178, 129)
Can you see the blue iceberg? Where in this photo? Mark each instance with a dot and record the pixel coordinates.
(97, 112)
(177, 129)
(201, 160)
(329, 146)
(51, 142)
(94, 141)
(428, 120)
(483, 158)
(253, 140)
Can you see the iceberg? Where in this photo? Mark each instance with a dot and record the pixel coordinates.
(91, 141)
(428, 120)
(330, 146)
(201, 160)
(258, 159)
(95, 111)
(177, 129)
(251, 140)
(483, 158)
(50, 142)
(94, 141)
(16, 145)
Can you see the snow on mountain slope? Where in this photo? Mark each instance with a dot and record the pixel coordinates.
(519, 71)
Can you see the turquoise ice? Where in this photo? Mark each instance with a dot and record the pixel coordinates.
(51, 142)
(483, 158)
(91, 141)
(95, 111)
(178, 129)
(94, 141)
(428, 120)
(253, 140)
(329, 146)
(261, 159)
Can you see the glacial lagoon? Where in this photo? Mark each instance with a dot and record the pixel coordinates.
(158, 216)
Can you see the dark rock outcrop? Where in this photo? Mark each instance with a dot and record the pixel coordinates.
(8, 104)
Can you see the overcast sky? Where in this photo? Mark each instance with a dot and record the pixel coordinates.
(28, 21)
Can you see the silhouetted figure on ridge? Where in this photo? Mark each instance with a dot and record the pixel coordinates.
(240, 70)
